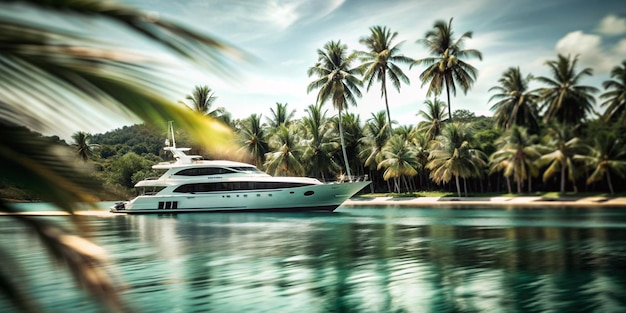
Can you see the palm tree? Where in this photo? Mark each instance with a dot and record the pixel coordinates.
(202, 99)
(406, 132)
(252, 138)
(379, 63)
(320, 147)
(375, 136)
(84, 149)
(353, 132)
(516, 156)
(446, 67)
(615, 95)
(280, 116)
(420, 144)
(337, 82)
(286, 155)
(452, 155)
(400, 160)
(562, 149)
(47, 76)
(433, 118)
(564, 100)
(606, 156)
(516, 104)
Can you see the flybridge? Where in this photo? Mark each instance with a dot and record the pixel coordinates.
(179, 153)
(181, 157)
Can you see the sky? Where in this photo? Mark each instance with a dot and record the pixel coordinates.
(283, 37)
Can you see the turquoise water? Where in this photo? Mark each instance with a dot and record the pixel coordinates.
(354, 260)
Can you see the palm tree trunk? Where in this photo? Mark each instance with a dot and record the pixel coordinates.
(449, 106)
(508, 184)
(421, 178)
(608, 180)
(458, 185)
(372, 181)
(406, 183)
(563, 177)
(384, 86)
(465, 185)
(343, 147)
(482, 185)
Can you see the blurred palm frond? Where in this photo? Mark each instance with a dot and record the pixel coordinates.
(58, 77)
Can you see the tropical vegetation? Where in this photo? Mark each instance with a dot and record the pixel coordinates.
(469, 154)
(462, 154)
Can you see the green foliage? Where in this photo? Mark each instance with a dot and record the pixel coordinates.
(129, 169)
(486, 139)
(127, 139)
(463, 115)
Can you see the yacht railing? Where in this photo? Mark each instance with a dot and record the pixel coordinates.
(347, 179)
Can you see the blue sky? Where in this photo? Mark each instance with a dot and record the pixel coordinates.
(283, 36)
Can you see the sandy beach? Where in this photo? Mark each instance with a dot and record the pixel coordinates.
(598, 201)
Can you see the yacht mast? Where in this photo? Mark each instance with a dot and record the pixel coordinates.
(171, 129)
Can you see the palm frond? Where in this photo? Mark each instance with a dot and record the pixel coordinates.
(53, 78)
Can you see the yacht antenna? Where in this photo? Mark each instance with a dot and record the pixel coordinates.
(171, 129)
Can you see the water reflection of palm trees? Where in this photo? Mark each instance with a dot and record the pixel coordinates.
(428, 260)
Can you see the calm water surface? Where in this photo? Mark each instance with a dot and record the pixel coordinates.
(354, 260)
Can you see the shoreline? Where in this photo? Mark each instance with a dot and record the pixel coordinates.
(536, 202)
(595, 201)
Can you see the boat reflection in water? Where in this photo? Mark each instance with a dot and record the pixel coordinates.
(358, 260)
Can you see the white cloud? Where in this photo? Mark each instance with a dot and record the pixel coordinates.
(612, 25)
(579, 43)
(589, 49)
(282, 14)
(620, 47)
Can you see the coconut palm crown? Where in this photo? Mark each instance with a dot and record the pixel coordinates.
(516, 104)
(379, 63)
(446, 67)
(434, 118)
(615, 95)
(202, 99)
(564, 99)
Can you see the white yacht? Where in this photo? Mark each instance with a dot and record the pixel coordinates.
(191, 184)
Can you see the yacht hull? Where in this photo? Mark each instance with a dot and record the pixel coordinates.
(323, 197)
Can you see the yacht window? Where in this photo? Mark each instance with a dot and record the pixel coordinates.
(147, 191)
(246, 169)
(203, 171)
(236, 186)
